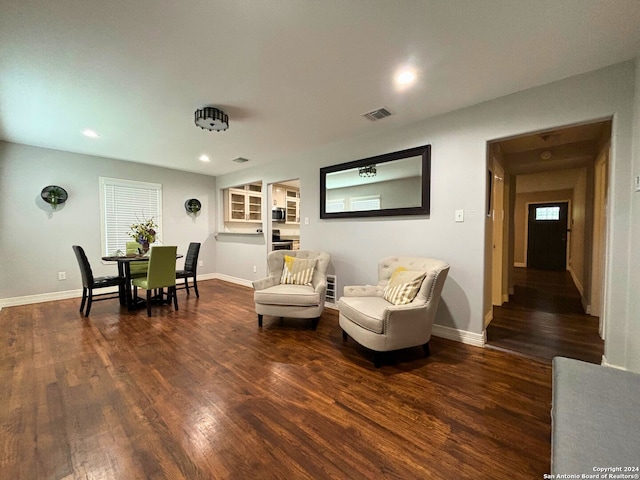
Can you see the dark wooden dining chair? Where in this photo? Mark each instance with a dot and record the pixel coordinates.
(91, 283)
(190, 268)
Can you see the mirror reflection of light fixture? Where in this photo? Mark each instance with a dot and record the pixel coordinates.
(367, 171)
(211, 118)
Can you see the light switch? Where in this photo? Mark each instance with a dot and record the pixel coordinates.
(306, 220)
(459, 215)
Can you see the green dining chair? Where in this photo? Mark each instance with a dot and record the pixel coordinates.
(137, 269)
(161, 274)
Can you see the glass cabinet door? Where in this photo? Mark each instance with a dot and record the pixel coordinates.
(237, 206)
(254, 208)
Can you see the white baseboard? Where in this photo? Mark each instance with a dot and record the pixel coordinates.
(228, 278)
(470, 338)
(605, 363)
(576, 281)
(488, 317)
(519, 264)
(53, 296)
(578, 284)
(505, 297)
(40, 298)
(331, 306)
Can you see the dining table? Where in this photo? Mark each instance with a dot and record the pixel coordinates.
(124, 270)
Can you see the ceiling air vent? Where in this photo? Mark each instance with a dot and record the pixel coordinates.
(377, 114)
(241, 160)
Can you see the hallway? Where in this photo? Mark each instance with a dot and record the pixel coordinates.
(544, 318)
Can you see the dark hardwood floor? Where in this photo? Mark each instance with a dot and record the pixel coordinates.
(203, 393)
(544, 318)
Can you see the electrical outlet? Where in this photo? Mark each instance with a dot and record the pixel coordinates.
(62, 275)
(255, 269)
(200, 263)
(459, 215)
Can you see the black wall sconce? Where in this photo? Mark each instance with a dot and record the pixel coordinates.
(54, 195)
(192, 205)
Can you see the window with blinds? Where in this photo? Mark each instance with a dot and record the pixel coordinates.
(370, 202)
(123, 203)
(334, 206)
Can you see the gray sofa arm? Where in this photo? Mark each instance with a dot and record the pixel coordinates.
(360, 291)
(265, 283)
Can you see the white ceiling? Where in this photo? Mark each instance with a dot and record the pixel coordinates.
(291, 74)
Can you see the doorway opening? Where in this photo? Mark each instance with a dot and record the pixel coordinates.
(547, 227)
(283, 229)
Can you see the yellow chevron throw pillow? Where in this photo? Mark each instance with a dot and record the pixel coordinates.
(298, 271)
(403, 286)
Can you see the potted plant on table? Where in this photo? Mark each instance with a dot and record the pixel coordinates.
(144, 233)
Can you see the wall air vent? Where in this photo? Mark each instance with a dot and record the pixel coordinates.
(377, 114)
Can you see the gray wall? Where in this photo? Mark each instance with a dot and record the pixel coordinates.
(632, 286)
(35, 245)
(35, 242)
(458, 171)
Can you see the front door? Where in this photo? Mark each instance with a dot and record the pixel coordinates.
(547, 238)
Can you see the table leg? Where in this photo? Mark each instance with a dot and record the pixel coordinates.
(122, 294)
(127, 285)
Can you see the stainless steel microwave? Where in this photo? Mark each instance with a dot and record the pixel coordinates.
(278, 214)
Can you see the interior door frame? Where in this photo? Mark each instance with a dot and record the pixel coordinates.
(599, 243)
(497, 236)
(526, 228)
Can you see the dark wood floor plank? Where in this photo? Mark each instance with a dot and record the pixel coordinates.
(203, 393)
(544, 318)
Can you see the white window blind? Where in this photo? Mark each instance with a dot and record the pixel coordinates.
(370, 202)
(123, 203)
(334, 206)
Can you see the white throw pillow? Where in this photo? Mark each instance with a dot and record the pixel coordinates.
(298, 271)
(403, 286)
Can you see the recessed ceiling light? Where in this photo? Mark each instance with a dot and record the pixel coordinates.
(90, 133)
(405, 77)
(204, 158)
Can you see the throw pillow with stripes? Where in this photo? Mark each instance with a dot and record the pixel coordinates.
(403, 286)
(298, 271)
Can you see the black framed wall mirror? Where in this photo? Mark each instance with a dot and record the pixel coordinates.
(397, 183)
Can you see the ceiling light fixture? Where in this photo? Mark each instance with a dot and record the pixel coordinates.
(211, 118)
(406, 77)
(90, 133)
(546, 155)
(367, 171)
(204, 158)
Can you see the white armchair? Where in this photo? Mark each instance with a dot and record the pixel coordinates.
(377, 323)
(294, 296)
